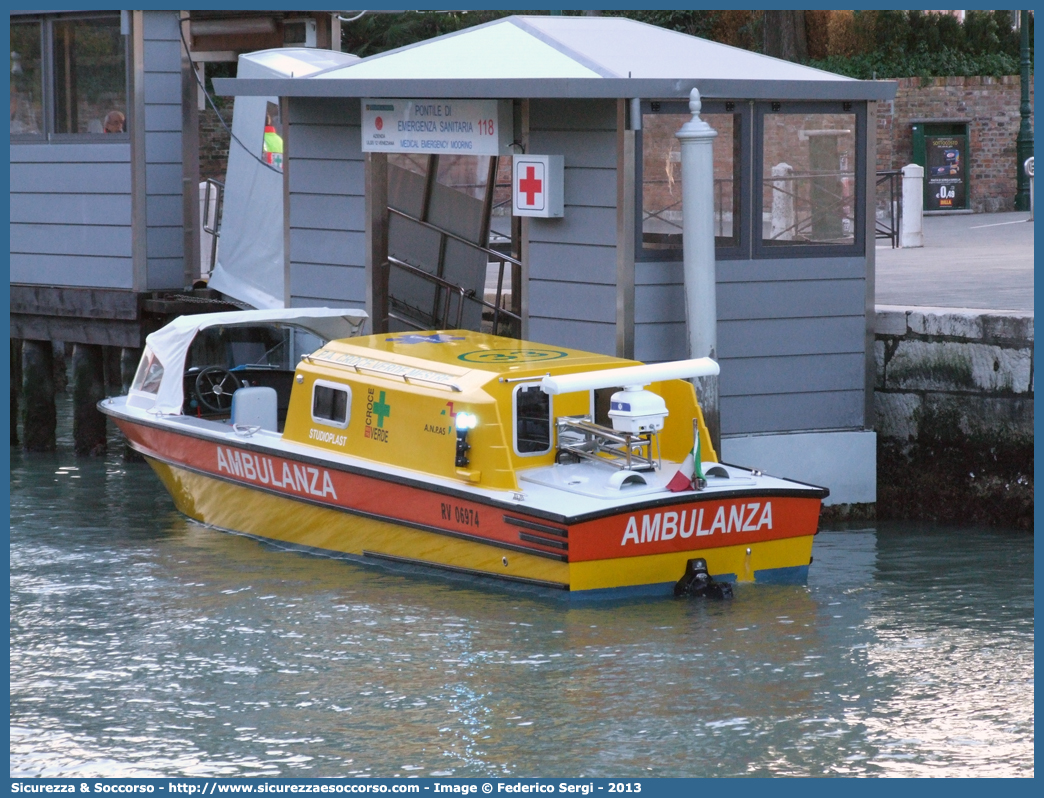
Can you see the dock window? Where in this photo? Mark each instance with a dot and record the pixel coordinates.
(26, 79)
(69, 77)
(331, 404)
(659, 167)
(532, 420)
(809, 193)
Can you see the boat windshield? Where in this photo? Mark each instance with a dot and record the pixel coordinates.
(255, 347)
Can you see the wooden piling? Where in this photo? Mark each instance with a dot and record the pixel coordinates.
(129, 359)
(38, 412)
(128, 366)
(113, 371)
(88, 366)
(16, 386)
(60, 354)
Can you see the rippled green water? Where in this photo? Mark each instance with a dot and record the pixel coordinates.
(143, 644)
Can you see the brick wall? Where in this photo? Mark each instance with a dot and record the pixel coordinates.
(991, 105)
(214, 141)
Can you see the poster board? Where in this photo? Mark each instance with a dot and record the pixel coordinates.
(946, 167)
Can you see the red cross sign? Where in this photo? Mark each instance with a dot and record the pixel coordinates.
(537, 185)
(530, 186)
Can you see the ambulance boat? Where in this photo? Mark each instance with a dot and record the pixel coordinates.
(457, 451)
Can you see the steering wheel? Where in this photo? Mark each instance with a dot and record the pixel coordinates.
(214, 388)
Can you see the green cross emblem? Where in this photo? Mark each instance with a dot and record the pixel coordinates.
(382, 409)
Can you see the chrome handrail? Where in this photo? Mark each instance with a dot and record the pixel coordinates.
(213, 226)
(496, 255)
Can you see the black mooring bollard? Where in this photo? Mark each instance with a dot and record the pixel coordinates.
(88, 367)
(38, 414)
(16, 386)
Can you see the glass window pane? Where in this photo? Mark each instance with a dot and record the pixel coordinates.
(90, 84)
(532, 420)
(467, 174)
(661, 179)
(418, 164)
(26, 80)
(330, 404)
(272, 141)
(808, 180)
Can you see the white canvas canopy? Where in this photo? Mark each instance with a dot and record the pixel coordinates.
(250, 248)
(170, 345)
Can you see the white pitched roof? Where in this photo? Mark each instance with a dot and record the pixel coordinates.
(573, 47)
(500, 50)
(569, 57)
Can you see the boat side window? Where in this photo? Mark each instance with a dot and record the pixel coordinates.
(532, 420)
(149, 375)
(331, 404)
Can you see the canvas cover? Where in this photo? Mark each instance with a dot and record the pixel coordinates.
(171, 344)
(250, 248)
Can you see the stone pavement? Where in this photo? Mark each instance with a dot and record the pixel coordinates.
(980, 261)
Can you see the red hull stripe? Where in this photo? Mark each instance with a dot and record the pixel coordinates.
(538, 515)
(680, 526)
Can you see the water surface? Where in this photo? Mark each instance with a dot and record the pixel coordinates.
(144, 644)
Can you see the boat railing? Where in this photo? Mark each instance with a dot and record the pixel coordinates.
(406, 377)
(582, 438)
(410, 378)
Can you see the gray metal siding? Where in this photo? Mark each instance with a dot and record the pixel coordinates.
(790, 339)
(71, 270)
(792, 412)
(327, 205)
(72, 177)
(572, 260)
(83, 209)
(572, 263)
(71, 214)
(163, 161)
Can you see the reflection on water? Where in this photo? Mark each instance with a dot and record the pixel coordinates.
(143, 644)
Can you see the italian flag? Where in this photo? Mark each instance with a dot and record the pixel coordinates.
(691, 467)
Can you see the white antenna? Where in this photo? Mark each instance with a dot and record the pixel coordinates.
(629, 376)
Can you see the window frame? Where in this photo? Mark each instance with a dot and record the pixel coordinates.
(514, 420)
(47, 72)
(763, 251)
(329, 422)
(17, 138)
(742, 113)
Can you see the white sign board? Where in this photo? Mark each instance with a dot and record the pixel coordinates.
(537, 185)
(436, 127)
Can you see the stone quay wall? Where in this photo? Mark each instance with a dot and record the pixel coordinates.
(991, 108)
(954, 415)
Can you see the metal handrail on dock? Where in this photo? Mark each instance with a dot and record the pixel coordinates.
(452, 288)
(214, 191)
(889, 229)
